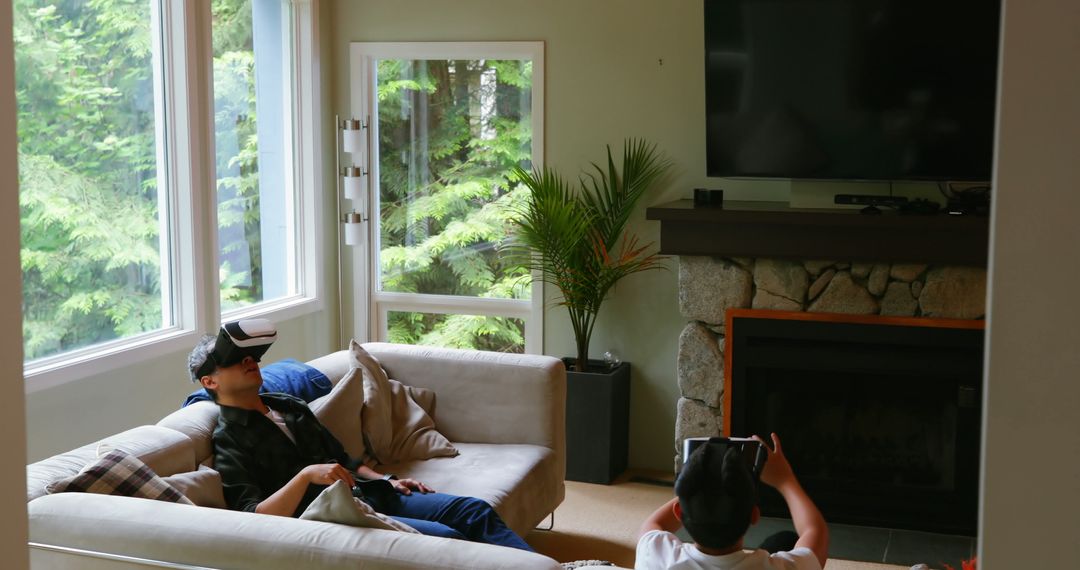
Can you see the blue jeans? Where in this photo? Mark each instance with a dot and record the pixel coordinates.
(450, 516)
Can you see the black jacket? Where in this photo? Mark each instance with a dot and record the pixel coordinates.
(255, 458)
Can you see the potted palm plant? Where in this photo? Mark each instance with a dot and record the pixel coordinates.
(573, 238)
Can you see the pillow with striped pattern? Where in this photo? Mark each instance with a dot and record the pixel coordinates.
(119, 473)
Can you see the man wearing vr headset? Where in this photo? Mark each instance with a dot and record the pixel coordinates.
(264, 472)
(716, 501)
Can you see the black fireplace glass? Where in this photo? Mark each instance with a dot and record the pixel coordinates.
(845, 430)
(881, 423)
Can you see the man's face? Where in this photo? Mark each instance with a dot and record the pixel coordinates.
(244, 376)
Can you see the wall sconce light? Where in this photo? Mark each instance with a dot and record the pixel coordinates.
(349, 185)
(354, 228)
(352, 135)
(354, 182)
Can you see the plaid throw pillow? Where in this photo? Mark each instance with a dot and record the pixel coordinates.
(119, 473)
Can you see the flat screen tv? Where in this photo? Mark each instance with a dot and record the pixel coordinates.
(851, 89)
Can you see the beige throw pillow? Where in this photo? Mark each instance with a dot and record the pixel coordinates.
(202, 487)
(341, 412)
(396, 428)
(336, 504)
(422, 396)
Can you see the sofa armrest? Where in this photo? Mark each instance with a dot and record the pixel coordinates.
(216, 538)
(486, 397)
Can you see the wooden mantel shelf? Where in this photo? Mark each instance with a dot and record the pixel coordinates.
(772, 229)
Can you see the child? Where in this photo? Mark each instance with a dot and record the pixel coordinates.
(716, 502)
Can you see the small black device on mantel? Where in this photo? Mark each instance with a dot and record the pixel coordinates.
(872, 90)
(708, 198)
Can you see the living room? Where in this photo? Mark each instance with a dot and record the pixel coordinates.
(621, 69)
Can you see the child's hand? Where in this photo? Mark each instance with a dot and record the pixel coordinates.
(777, 471)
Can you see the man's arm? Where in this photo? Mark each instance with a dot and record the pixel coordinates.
(662, 519)
(336, 450)
(234, 462)
(285, 500)
(403, 486)
(809, 524)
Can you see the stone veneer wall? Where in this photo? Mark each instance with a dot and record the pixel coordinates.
(708, 286)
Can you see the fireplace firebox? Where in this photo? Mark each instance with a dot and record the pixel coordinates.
(879, 416)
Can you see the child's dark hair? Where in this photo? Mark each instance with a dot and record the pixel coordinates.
(717, 495)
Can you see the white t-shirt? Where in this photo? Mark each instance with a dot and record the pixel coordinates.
(659, 550)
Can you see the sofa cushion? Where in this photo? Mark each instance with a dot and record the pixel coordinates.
(221, 538)
(119, 473)
(334, 365)
(196, 421)
(396, 428)
(164, 450)
(202, 487)
(340, 411)
(517, 480)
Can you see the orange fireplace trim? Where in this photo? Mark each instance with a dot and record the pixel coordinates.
(733, 314)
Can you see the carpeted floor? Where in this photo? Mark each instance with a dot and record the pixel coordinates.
(601, 522)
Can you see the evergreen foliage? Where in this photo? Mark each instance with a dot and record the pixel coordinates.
(450, 131)
(89, 196)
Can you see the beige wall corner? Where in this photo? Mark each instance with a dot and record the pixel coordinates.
(13, 534)
(1030, 483)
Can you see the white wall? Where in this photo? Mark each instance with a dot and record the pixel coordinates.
(1031, 467)
(12, 426)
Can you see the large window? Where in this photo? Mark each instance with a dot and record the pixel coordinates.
(122, 172)
(252, 128)
(447, 122)
(93, 225)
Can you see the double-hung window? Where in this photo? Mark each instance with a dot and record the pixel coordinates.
(445, 124)
(166, 176)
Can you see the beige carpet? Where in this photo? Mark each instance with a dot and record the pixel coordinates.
(601, 522)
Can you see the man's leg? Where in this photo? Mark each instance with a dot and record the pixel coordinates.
(431, 528)
(471, 517)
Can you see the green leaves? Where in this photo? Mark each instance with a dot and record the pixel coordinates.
(575, 238)
(90, 241)
(450, 132)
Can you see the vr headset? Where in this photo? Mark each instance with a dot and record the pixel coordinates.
(238, 340)
(754, 455)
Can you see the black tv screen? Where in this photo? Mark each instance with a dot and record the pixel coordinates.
(851, 89)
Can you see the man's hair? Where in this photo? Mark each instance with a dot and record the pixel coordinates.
(717, 495)
(199, 355)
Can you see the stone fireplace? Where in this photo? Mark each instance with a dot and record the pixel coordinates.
(800, 265)
(708, 286)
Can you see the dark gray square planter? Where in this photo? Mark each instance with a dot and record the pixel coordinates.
(597, 422)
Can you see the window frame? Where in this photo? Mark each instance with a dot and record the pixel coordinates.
(183, 71)
(362, 69)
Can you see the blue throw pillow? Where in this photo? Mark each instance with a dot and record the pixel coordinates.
(288, 376)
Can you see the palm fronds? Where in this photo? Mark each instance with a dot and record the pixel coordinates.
(571, 239)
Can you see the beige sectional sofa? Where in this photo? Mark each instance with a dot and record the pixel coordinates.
(504, 412)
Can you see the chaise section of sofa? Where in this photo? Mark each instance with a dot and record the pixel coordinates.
(505, 414)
